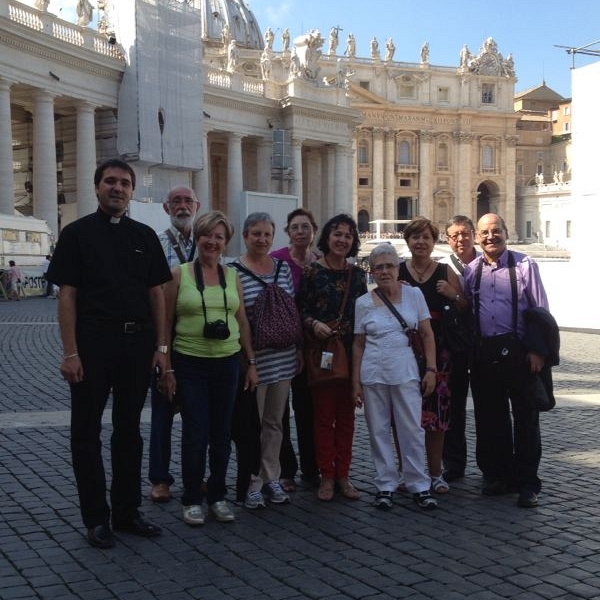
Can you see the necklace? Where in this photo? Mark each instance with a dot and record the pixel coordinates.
(420, 274)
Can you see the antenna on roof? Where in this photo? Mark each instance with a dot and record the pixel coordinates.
(580, 50)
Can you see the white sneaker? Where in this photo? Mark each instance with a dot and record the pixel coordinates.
(193, 514)
(222, 512)
(275, 492)
(254, 500)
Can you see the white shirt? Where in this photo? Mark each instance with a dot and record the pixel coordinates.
(388, 358)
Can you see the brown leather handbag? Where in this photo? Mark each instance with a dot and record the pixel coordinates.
(327, 360)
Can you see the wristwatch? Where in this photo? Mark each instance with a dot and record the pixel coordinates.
(161, 349)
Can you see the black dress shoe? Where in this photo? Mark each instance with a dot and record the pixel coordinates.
(138, 526)
(100, 536)
(494, 487)
(453, 475)
(527, 499)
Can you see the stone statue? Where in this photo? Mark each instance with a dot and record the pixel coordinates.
(266, 66)
(350, 46)
(233, 55)
(333, 40)
(389, 50)
(84, 13)
(509, 66)
(285, 40)
(465, 57)
(425, 53)
(225, 35)
(561, 177)
(314, 41)
(42, 4)
(295, 67)
(269, 37)
(375, 49)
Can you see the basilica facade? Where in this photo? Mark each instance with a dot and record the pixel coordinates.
(196, 92)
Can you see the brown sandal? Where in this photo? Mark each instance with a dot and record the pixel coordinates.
(348, 490)
(325, 491)
(288, 485)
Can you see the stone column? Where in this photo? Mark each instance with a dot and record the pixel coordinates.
(510, 207)
(264, 151)
(378, 167)
(86, 159)
(389, 204)
(343, 194)
(7, 187)
(354, 173)
(425, 175)
(44, 161)
(328, 189)
(462, 168)
(235, 186)
(297, 188)
(201, 179)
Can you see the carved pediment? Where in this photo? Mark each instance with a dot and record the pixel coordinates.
(364, 96)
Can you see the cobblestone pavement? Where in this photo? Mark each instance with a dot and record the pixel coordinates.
(471, 547)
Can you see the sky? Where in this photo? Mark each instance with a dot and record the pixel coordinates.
(530, 30)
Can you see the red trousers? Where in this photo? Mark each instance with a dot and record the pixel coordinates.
(333, 408)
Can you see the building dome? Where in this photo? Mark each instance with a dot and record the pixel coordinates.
(234, 17)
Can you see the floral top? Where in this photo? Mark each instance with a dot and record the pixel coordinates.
(321, 294)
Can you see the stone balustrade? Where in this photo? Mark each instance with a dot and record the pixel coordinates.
(82, 37)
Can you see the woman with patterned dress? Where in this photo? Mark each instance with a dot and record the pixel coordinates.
(321, 294)
(438, 285)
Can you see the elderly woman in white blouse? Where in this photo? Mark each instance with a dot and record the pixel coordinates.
(386, 378)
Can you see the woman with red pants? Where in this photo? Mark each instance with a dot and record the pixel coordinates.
(321, 296)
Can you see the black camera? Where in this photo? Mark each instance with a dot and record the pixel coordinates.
(217, 330)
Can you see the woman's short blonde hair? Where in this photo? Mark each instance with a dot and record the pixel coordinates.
(205, 223)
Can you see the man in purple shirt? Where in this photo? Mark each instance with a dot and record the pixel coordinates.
(501, 284)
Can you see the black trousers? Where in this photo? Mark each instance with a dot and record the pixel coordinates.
(121, 363)
(455, 441)
(303, 416)
(507, 449)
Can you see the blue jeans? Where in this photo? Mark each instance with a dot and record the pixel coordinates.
(161, 423)
(207, 389)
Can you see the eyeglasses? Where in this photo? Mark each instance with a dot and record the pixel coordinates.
(492, 233)
(301, 227)
(465, 235)
(383, 267)
(186, 201)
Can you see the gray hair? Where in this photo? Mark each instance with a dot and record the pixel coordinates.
(384, 249)
(257, 217)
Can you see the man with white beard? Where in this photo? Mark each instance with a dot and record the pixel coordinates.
(179, 245)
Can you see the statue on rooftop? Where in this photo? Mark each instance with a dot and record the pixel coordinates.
(350, 46)
(285, 40)
(84, 13)
(269, 37)
(42, 4)
(375, 49)
(425, 53)
(389, 50)
(333, 40)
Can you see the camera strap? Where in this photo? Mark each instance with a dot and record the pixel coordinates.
(200, 286)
